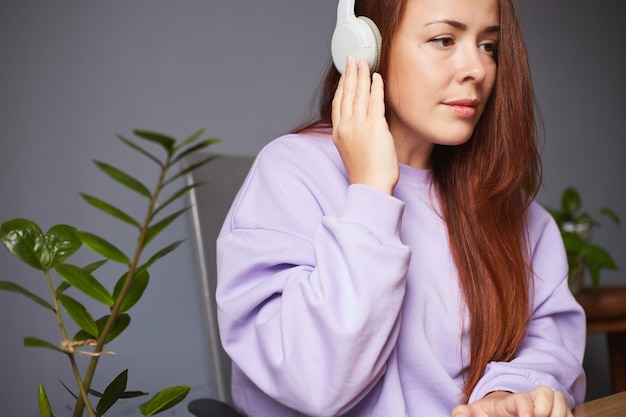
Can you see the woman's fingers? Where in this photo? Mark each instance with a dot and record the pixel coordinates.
(360, 130)
(362, 93)
(336, 105)
(376, 106)
(349, 88)
(560, 406)
(541, 402)
(521, 405)
(549, 403)
(352, 97)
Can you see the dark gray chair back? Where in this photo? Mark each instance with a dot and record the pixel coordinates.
(210, 203)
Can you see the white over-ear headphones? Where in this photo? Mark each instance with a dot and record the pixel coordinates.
(356, 36)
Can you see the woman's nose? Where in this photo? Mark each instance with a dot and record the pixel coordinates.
(472, 65)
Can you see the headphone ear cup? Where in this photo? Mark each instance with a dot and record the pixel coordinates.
(358, 37)
(378, 39)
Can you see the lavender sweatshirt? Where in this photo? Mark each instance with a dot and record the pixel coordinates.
(337, 299)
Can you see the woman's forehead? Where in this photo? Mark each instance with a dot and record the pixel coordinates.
(464, 11)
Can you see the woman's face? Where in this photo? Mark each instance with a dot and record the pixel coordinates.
(441, 71)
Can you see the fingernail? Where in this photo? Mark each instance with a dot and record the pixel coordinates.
(349, 60)
(362, 62)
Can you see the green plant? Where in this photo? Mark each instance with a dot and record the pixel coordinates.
(576, 225)
(51, 251)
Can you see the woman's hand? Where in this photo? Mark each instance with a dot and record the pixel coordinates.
(360, 130)
(540, 402)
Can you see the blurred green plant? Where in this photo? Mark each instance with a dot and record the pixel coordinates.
(576, 225)
(51, 251)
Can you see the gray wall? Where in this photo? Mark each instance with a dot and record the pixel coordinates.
(73, 73)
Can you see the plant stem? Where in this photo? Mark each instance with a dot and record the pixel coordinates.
(115, 310)
(83, 391)
(57, 310)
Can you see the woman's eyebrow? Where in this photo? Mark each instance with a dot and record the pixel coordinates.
(462, 26)
(492, 29)
(455, 24)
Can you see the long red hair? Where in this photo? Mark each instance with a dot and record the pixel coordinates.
(485, 187)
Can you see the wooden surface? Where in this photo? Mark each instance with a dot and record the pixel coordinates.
(606, 309)
(606, 313)
(611, 406)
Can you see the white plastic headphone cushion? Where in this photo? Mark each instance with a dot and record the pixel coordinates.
(359, 37)
(378, 40)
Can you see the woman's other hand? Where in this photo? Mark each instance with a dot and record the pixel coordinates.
(541, 402)
(360, 130)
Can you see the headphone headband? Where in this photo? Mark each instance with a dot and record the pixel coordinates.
(345, 8)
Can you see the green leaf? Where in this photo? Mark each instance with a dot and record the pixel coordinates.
(10, 286)
(85, 282)
(62, 287)
(190, 139)
(163, 140)
(134, 394)
(135, 291)
(573, 242)
(30, 341)
(158, 255)
(109, 209)
(191, 168)
(570, 201)
(164, 400)
(157, 228)
(87, 268)
(587, 218)
(594, 254)
(102, 247)
(25, 240)
(95, 393)
(610, 214)
(44, 405)
(198, 146)
(174, 197)
(79, 314)
(94, 266)
(125, 394)
(68, 389)
(121, 323)
(123, 178)
(594, 272)
(62, 243)
(140, 149)
(112, 393)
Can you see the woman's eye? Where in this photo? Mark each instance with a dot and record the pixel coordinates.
(489, 47)
(443, 42)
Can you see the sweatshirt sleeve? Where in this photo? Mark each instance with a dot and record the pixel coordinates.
(553, 351)
(309, 296)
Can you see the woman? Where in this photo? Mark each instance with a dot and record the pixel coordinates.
(387, 259)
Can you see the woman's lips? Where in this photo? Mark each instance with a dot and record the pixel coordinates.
(463, 107)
